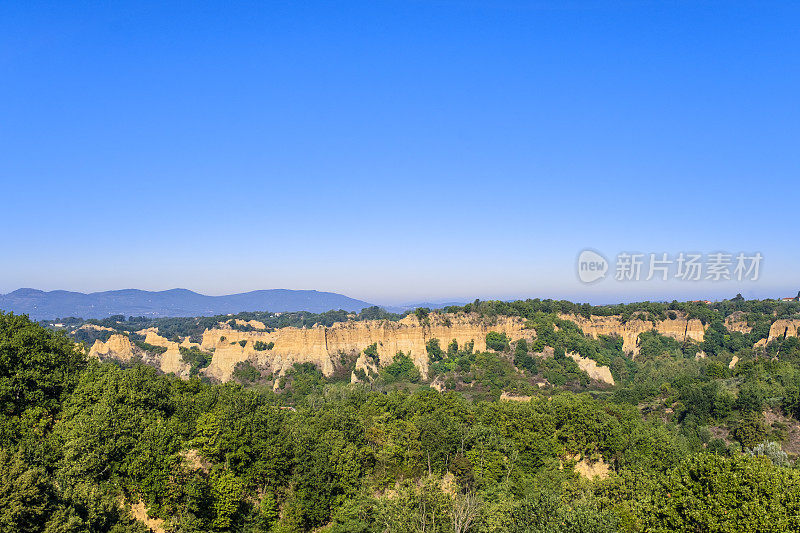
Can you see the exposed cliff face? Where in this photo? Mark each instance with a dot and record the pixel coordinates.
(783, 328)
(594, 371)
(116, 347)
(737, 322)
(324, 346)
(680, 328)
(171, 360)
(94, 327)
(252, 323)
(120, 347)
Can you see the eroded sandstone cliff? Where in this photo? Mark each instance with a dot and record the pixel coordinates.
(116, 347)
(327, 347)
(679, 328)
(324, 346)
(320, 345)
(783, 328)
(593, 370)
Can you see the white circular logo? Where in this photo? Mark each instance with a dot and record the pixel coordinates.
(591, 266)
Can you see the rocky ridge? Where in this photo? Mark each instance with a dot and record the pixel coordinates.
(326, 347)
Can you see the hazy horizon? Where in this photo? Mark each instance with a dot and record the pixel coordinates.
(595, 298)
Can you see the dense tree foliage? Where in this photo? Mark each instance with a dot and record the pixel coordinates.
(685, 441)
(755, 310)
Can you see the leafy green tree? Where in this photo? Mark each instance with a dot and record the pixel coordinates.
(452, 348)
(26, 496)
(196, 358)
(522, 359)
(751, 397)
(248, 435)
(714, 338)
(435, 352)
(38, 370)
(228, 492)
(750, 430)
(371, 353)
(439, 437)
(709, 492)
(401, 369)
(415, 509)
(498, 342)
(245, 372)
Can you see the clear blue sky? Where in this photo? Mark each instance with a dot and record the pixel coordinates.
(396, 151)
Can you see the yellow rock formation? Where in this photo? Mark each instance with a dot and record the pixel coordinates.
(593, 469)
(679, 328)
(783, 328)
(171, 360)
(322, 345)
(514, 397)
(252, 323)
(595, 371)
(116, 347)
(737, 322)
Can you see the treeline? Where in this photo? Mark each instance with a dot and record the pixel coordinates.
(653, 311)
(193, 327)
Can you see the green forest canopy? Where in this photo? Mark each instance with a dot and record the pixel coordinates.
(691, 444)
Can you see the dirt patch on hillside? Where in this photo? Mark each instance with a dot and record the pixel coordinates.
(718, 432)
(514, 398)
(590, 468)
(139, 513)
(593, 469)
(195, 461)
(784, 426)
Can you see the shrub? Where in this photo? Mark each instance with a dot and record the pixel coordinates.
(497, 341)
(197, 359)
(772, 451)
(245, 372)
(371, 352)
(435, 352)
(709, 492)
(402, 369)
(750, 430)
(452, 348)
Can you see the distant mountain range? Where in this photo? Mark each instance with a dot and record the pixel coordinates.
(41, 305)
